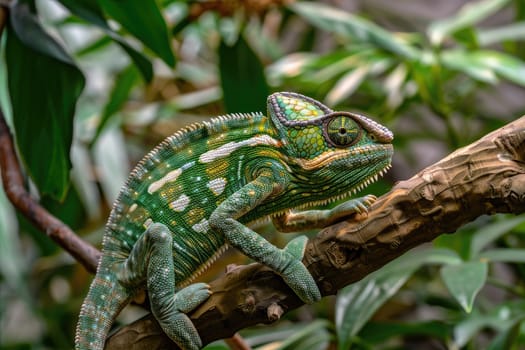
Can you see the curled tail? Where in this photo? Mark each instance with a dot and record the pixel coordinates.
(105, 299)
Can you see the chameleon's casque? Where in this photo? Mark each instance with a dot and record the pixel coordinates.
(196, 192)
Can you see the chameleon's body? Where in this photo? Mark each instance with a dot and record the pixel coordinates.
(196, 191)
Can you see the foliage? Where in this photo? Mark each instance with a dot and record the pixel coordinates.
(90, 86)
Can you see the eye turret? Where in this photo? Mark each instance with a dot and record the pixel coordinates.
(343, 131)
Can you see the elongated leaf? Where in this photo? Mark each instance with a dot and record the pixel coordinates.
(492, 232)
(506, 66)
(348, 25)
(243, 82)
(144, 20)
(464, 281)
(508, 339)
(464, 62)
(90, 11)
(142, 62)
(380, 332)
(31, 34)
(515, 31)
(504, 255)
(347, 85)
(44, 85)
(359, 301)
(314, 336)
(124, 83)
(500, 318)
(113, 173)
(484, 65)
(471, 13)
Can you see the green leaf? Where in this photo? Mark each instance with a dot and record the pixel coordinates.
(144, 20)
(313, 336)
(113, 166)
(500, 318)
(122, 87)
(90, 11)
(243, 82)
(381, 332)
(31, 34)
(507, 338)
(347, 85)
(350, 26)
(507, 255)
(464, 281)
(514, 31)
(468, 15)
(44, 85)
(486, 65)
(464, 62)
(142, 62)
(358, 302)
(506, 66)
(491, 232)
(94, 46)
(355, 305)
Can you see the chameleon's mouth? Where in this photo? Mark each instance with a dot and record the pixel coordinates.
(356, 155)
(375, 159)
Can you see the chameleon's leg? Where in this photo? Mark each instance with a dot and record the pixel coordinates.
(151, 259)
(287, 263)
(309, 219)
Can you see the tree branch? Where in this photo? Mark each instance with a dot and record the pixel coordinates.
(15, 190)
(485, 177)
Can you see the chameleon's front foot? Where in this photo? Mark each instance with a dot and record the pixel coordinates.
(295, 274)
(353, 206)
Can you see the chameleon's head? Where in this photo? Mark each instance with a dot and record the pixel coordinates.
(346, 149)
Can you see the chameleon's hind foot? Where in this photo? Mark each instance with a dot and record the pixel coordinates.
(179, 327)
(297, 276)
(183, 332)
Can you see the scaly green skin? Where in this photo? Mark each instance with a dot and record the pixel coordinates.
(197, 191)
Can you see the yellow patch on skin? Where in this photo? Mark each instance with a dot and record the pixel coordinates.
(217, 169)
(194, 215)
(138, 214)
(147, 223)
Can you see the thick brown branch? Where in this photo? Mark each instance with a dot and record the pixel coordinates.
(13, 182)
(485, 177)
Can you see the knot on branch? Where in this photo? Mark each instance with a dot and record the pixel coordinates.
(512, 145)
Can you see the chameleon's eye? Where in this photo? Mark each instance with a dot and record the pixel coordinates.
(343, 131)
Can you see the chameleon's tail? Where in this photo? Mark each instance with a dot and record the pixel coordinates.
(105, 300)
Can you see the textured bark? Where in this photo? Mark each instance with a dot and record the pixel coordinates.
(485, 177)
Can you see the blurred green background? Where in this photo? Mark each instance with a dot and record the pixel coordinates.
(90, 86)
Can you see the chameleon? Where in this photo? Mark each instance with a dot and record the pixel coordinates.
(199, 190)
